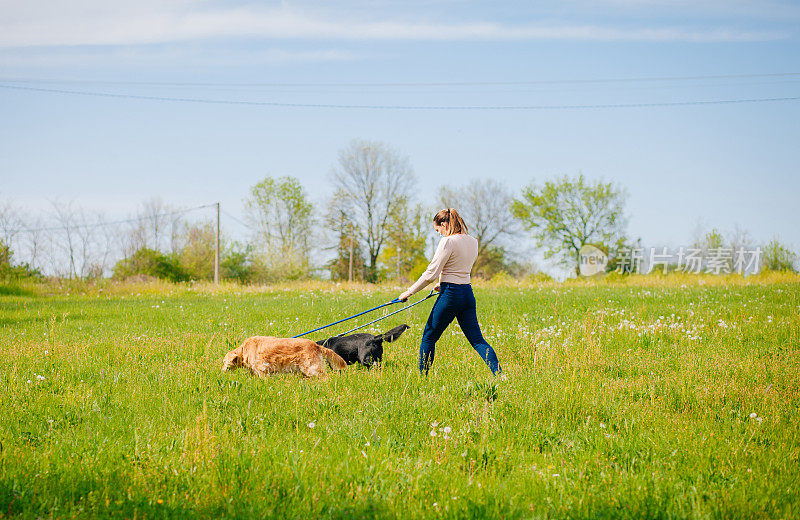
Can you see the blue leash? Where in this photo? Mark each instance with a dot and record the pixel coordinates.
(384, 317)
(396, 300)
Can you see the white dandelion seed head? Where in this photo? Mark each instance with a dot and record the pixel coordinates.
(753, 415)
(311, 425)
(433, 433)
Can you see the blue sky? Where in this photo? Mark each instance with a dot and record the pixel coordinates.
(726, 164)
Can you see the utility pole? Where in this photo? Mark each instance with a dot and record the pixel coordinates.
(350, 273)
(216, 251)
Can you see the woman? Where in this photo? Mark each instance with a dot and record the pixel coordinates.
(453, 260)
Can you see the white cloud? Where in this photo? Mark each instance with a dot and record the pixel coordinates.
(767, 9)
(165, 55)
(91, 23)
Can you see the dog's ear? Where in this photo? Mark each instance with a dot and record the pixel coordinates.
(327, 341)
(393, 334)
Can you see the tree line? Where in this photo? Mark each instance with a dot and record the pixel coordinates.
(371, 228)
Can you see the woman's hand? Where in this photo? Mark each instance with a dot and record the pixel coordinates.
(404, 297)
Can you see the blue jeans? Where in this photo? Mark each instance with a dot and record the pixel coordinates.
(455, 301)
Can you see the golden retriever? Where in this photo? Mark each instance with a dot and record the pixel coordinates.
(265, 355)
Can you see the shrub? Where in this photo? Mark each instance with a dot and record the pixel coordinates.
(778, 257)
(10, 271)
(540, 277)
(236, 265)
(150, 263)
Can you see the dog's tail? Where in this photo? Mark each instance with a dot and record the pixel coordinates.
(395, 333)
(334, 360)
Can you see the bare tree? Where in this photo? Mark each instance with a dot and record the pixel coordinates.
(374, 178)
(92, 241)
(10, 222)
(71, 242)
(177, 225)
(50, 259)
(78, 236)
(83, 240)
(65, 215)
(155, 214)
(156, 226)
(34, 242)
(486, 207)
(339, 212)
(135, 238)
(108, 240)
(739, 238)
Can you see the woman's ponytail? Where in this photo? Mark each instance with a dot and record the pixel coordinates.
(450, 217)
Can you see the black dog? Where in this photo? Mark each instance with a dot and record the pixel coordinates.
(362, 348)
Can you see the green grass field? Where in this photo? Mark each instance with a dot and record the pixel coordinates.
(651, 397)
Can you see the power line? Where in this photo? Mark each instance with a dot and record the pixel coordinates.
(397, 107)
(236, 219)
(402, 84)
(111, 223)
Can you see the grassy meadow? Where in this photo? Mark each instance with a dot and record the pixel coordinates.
(645, 397)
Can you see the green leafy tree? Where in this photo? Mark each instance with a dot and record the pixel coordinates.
(405, 243)
(491, 262)
(568, 213)
(283, 216)
(778, 257)
(198, 251)
(712, 245)
(620, 256)
(710, 240)
(347, 245)
(339, 266)
(5, 255)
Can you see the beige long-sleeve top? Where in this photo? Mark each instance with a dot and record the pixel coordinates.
(452, 262)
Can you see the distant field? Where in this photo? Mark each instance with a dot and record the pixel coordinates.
(652, 397)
